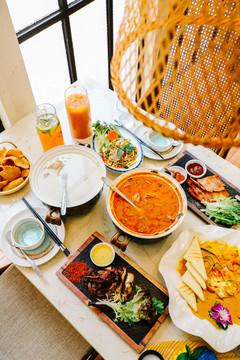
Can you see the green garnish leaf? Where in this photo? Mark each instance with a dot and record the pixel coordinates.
(129, 147)
(197, 352)
(179, 215)
(159, 305)
(120, 153)
(155, 171)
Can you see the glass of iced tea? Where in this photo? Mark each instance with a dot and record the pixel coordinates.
(48, 126)
(78, 112)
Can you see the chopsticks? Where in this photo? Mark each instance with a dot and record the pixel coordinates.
(140, 140)
(47, 228)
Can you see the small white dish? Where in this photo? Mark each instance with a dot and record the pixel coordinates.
(180, 170)
(45, 252)
(102, 254)
(141, 131)
(28, 233)
(195, 168)
(158, 142)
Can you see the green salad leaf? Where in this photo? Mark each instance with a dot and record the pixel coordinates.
(142, 306)
(225, 210)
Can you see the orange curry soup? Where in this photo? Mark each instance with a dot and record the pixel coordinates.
(222, 263)
(159, 204)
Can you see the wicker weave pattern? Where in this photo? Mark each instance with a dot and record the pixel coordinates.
(180, 61)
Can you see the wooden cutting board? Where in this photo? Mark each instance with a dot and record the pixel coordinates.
(193, 203)
(136, 336)
(170, 349)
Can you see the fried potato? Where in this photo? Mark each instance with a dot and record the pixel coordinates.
(8, 161)
(10, 173)
(3, 183)
(13, 184)
(25, 173)
(2, 151)
(14, 152)
(14, 168)
(22, 162)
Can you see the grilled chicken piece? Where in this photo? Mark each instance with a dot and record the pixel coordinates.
(118, 290)
(128, 286)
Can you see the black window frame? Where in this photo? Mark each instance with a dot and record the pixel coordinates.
(63, 14)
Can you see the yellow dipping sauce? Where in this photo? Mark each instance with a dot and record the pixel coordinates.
(102, 254)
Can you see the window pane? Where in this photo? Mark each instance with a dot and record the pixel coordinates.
(45, 59)
(89, 32)
(118, 10)
(25, 12)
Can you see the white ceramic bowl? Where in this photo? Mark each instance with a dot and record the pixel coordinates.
(102, 254)
(28, 233)
(158, 142)
(195, 164)
(181, 170)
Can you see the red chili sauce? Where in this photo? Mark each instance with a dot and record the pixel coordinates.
(195, 169)
(180, 177)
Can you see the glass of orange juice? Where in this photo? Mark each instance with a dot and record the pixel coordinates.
(48, 126)
(78, 111)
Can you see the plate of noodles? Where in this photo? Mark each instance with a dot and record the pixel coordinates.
(118, 147)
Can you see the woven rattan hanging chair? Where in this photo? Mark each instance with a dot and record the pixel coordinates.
(176, 67)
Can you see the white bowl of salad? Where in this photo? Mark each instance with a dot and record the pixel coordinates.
(119, 148)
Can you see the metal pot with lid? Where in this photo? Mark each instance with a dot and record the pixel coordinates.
(84, 169)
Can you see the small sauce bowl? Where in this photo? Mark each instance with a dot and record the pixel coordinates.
(181, 173)
(158, 142)
(195, 168)
(28, 233)
(102, 254)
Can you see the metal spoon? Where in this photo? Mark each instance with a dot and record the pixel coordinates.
(31, 262)
(109, 184)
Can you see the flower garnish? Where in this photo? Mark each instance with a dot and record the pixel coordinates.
(221, 315)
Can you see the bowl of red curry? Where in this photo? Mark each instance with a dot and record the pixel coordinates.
(160, 204)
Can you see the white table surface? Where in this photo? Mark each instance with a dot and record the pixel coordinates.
(78, 228)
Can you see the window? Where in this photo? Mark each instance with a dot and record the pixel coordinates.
(63, 40)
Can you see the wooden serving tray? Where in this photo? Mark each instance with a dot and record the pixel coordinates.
(193, 203)
(170, 349)
(136, 336)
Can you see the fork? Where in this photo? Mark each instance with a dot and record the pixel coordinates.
(31, 262)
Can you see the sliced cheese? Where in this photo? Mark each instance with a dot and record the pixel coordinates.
(187, 294)
(189, 280)
(194, 256)
(196, 275)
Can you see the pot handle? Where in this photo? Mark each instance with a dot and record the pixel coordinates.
(121, 244)
(53, 219)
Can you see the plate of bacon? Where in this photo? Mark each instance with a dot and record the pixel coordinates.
(211, 197)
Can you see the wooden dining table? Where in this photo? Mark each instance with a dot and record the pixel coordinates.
(78, 228)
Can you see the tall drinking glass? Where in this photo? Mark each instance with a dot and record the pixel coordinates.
(78, 111)
(48, 126)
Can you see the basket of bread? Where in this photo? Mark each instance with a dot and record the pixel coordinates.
(14, 168)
